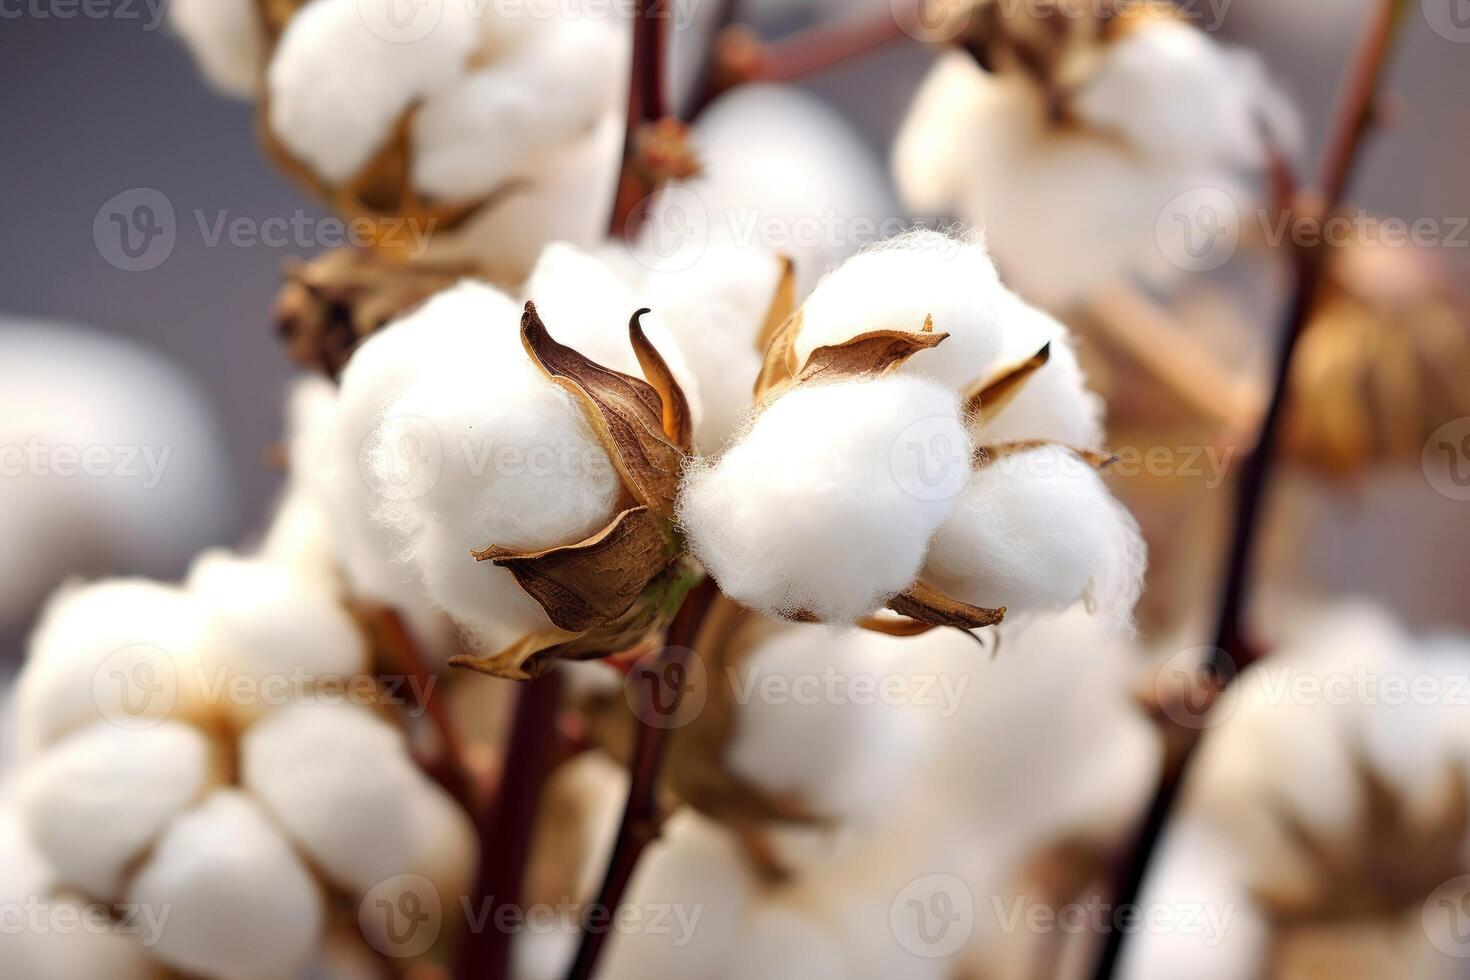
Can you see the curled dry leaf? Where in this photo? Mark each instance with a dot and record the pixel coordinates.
(868, 354)
(1000, 389)
(925, 604)
(986, 455)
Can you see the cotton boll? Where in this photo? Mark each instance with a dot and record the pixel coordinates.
(829, 737)
(338, 83)
(97, 800)
(125, 651)
(696, 871)
(241, 905)
(1054, 405)
(900, 283)
(1036, 531)
(340, 781)
(480, 131)
(827, 503)
(226, 39)
(783, 171)
(113, 460)
(716, 308)
(279, 629)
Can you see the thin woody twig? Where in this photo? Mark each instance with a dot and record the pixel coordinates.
(1232, 651)
(641, 818)
(647, 104)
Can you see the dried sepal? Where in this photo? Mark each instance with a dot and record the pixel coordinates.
(1003, 385)
(678, 422)
(626, 413)
(783, 304)
(867, 355)
(986, 455)
(534, 654)
(924, 603)
(583, 585)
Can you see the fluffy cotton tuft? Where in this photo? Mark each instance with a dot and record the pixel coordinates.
(97, 800)
(241, 905)
(227, 40)
(899, 283)
(1036, 531)
(826, 505)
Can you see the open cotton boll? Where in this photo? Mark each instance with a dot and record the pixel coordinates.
(824, 506)
(276, 628)
(551, 87)
(126, 651)
(1036, 531)
(340, 781)
(57, 954)
(899, 283)
(1054, 405)
(241, 904)
(827, 738)
(715, 309)
(98, 799)
(338, 83)
(227, 40)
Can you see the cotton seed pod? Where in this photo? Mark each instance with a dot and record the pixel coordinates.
(340, 781)
(125, 651)
(280, 634)
(242, 905)
(98, 799)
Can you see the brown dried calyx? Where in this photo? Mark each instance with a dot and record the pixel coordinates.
(329, 304)
(613, 589)
(662, 153)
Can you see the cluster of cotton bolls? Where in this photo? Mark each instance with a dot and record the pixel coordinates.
(1141, 143)
(497, 119)
(213, 763)
(1327, 818)
(840, 494)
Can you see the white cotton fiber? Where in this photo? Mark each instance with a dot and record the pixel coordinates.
(276, 630)
(339, 78)
(129, 651)
(241, 904)
(826, 504)
(899, 283)
(227, 40)
(1035, 532)
(97, 800)
(341, 783)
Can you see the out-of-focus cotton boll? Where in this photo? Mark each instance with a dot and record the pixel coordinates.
(1036, 531)
(300, 533)
(342, 784)
(896, 285)
(112, 460)
(227, 40)
(697, 870)
(783, 171)
(1054, 405)
(56, 954)
(828, 739)
(822, 507)
(241, 904)
(126, 651)
(96, 801)
(778, 942)
(586, 306)
(715, 309)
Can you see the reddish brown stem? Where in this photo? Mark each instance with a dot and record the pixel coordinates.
(1232, 651)
(641, 818)
(505, 830)
(647, 103)
(449, 767)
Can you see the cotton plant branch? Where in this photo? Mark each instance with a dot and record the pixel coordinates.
(1232, 651)
(641, 817)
